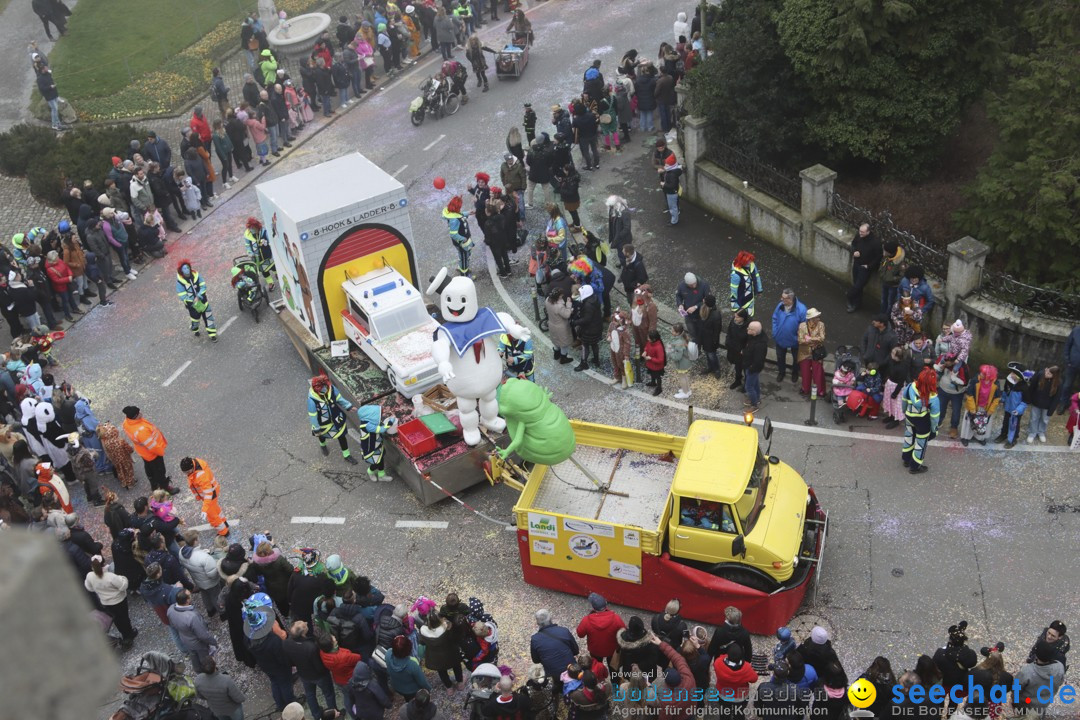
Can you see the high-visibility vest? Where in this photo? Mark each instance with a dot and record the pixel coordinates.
(147, 439)
(202, 482)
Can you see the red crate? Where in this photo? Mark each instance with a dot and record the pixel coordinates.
(416, 438)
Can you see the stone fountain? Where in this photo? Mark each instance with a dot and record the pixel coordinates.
(294, 37)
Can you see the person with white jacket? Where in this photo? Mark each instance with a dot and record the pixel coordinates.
(111, 590)
(682, 28)
(202, 568)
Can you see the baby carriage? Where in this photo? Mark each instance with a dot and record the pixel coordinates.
(847, 364)
(482, 684)
(157, 690)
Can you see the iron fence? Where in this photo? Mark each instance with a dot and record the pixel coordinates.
(1028, 299)
(765, 178)
(933, 260)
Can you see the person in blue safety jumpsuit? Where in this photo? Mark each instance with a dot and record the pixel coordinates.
(372, 429)
(191, 289)
(922, 412)
(257, 245)
(518, 356)
(460, 236)
(326, 410)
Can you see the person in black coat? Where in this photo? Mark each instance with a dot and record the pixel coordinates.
(231, 605)
(196, 170)
(324, 85)
(589, 326)
(498, 231)
(303, 653)
(238, 136)
(865, 259)
(552, 646)
(161, 190)
(735, 343)
(955, 660)
(538, 161)
(633, 271)
(269, 653)
(732, 631)
(712, 322)
(636, 648)
(609, 285)
(303, 589)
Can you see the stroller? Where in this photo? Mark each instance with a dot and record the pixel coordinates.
(159, 691)
(250, 294)
(847, 364)
(482, 685)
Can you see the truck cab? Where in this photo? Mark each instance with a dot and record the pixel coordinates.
(386, 318)
(734, 511)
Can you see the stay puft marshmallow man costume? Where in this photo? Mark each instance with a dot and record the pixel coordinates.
(466, 349)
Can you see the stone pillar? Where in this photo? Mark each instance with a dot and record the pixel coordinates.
(967, 256)
(693, 150)
(53, 637)
(817, 185)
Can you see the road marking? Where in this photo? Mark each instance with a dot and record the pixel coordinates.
(315, 520)
(433, 524)
(399, 170)
(434, 142)
(233, 522)
(541, 338)
(228, 322)
(176, 374)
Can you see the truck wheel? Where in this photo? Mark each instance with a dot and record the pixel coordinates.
(748, 577)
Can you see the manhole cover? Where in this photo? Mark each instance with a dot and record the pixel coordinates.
(898, 572)
(802, 624)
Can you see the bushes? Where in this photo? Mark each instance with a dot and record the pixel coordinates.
(23, 144)
(48, 162)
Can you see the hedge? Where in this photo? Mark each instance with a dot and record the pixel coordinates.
(76, 156)
(24, 144)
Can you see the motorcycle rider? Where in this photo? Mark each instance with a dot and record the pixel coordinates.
(457, 74)
(257, 244)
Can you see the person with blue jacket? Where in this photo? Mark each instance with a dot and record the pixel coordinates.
(915, 280)
(552, 646)
(1070, 370)
(403, 670)
(787, 316)
(326, 411)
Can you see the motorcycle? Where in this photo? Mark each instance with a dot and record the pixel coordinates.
(437, 98)
(249, 291)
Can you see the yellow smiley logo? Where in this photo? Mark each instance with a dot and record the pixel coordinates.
(862, 693)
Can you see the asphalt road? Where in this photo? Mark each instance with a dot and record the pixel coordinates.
(907, 557)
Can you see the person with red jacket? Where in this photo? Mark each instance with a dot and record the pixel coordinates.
(60, 278)
(675, 696)
(599, 627)
(201, 126)
(733, 679)
(339, 661)
(655, 358)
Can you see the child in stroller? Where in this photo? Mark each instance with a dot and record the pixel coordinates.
(482, 684)
(865, 399)
(843, 381)
(157, 690)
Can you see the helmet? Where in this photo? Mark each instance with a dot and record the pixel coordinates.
(64, 226)
(235, 271)
(35, 233)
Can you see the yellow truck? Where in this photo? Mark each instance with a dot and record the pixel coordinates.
(641, 517)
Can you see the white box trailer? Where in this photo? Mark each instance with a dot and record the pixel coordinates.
(331, 222)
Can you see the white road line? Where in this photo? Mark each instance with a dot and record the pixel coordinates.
(433, 524)
(176, 374)
(824, 408)
(434, 142)
(399, 170)
(228, 322)
(316, 520)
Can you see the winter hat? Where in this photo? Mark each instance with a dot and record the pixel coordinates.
(1058, 626)
(734, 655)
(1044, 651)
(293, 711)
(115, 160)
(382, 27)
(235, 553)
(597, 601)
(818, 635)
(690, 278)
(585, 292)
(108, 213)
(635, 629)
(310, 557)
(131, 412)
(103, 199)
(672, 677)
(958, 327)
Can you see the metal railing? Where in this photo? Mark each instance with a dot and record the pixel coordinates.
(933, 260)
(1028, 299)
(755, 173)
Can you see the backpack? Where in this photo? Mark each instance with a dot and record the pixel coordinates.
(349, 634)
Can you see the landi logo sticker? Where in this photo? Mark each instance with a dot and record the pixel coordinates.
(543, 525)
(584, 546)
(624, 571)
(543, 547)
(583, 526)
(631, 538)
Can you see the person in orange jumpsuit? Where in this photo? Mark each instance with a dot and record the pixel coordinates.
(150, 444)
(206, 490)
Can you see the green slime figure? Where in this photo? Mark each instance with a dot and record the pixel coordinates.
(539, 431)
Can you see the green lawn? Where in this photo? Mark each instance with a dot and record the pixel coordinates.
(112, 44)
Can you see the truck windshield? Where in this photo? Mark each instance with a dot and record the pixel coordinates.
(406, 317)
(753, 500)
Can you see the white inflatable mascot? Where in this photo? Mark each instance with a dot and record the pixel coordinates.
(466, 349)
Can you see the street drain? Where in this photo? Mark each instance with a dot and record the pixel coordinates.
(898, 572)
(1063, 508)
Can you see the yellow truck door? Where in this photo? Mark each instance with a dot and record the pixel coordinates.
(701, 530)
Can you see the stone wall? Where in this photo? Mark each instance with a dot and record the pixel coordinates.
(1001, 332)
